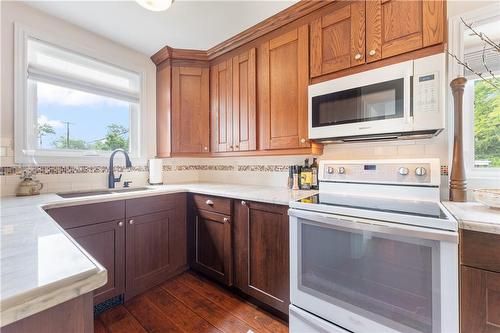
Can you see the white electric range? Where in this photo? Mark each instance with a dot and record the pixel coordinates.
(374, 251)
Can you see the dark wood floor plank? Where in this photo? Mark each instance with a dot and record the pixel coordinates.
(205, 308)
(179, 313)
(119, 320)
(149, 316)
(99, 326)
(249, 313)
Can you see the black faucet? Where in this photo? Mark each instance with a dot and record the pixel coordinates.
(111, 176)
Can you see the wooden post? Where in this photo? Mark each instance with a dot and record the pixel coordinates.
(458, 180)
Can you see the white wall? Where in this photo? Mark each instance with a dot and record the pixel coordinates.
(98, 46)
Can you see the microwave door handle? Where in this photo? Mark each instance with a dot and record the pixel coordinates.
(354, 223)
(407, 98)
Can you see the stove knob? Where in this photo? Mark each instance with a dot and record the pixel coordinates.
(420, 171)
(330, 170)
(403, 171)
(341, 170)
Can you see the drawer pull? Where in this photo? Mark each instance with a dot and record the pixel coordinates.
(244, 203)
(226, 220)
(120, 224)
(131, 222)
(209, 202)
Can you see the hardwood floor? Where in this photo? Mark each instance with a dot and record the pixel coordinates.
(188, 303)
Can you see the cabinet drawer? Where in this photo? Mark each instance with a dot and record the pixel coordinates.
(480, 249)
(212, 204)
(76, 216)
(149, 205)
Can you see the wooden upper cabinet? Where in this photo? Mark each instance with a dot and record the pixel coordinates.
(338, 38)
(190, 110)
(244, 101)
(221, 106)
(396, 26)
(233, 103)
(283, 75)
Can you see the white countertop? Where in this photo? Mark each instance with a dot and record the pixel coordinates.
(42, 266)
(475, 216)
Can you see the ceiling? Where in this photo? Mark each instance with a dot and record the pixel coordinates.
(187, 24)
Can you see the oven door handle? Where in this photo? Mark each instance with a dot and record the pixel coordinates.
(354, 223)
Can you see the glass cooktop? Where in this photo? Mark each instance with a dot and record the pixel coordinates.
(428, 209)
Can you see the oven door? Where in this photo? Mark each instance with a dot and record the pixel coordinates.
(373, 276)
(370, 103)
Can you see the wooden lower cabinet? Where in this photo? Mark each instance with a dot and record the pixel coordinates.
(479, 282)
(261, 252)
(480, 301)
(211, 244)
(106, 243)
(144, 244)
(149, 248)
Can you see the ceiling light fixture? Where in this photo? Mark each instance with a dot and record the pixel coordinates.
(155, 5)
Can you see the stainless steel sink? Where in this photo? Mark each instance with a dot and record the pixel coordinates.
(101, 192)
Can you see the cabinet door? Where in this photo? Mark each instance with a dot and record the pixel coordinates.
(283, 74)
(106, 243)
(190, 110)
(480, 301)
(261, 244)
(338, 39)
(211, 238)
(395, 26)
(149, 250)
(221, 110)
(244, 101)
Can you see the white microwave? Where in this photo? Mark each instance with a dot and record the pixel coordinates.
(404, 100)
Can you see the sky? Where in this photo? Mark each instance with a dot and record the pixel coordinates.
(88, 114)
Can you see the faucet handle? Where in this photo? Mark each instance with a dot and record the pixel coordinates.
(127, 183)
(119, 179)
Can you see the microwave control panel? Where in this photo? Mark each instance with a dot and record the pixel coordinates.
(427, 92)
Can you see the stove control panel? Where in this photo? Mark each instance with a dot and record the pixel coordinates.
(424, 172)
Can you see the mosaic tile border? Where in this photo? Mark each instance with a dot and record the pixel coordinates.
(59, 170)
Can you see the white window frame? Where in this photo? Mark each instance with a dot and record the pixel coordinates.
(25, 112)
(456, 47)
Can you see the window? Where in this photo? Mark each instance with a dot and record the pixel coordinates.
(482, 92)
(75, 106)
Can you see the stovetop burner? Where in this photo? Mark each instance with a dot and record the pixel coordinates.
(388, 205)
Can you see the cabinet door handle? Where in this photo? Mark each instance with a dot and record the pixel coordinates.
(231, 147)
(131, 222)
(244, 203)
(302, 140)
(236, 146)
(209, 202)
(226, 220)
(205, 148)
(372, 53)
(120, 224)
(357, 56)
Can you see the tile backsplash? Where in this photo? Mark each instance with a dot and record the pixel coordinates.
(271, 170)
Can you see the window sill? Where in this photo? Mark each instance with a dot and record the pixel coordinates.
(78, 160)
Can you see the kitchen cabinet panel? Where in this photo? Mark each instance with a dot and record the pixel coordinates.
(233, 103)
(480, 301)
(163, 109)
(394, 26)
(222, 109)
(338, 38)
(261, 250)
(106, 243)
(245, 101)
(190, 110)
(283, 75)
(148, 250)
(211, 251)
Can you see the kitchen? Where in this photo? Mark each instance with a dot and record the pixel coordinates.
(310, 166)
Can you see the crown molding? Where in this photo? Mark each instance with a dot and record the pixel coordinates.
(290, 14)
